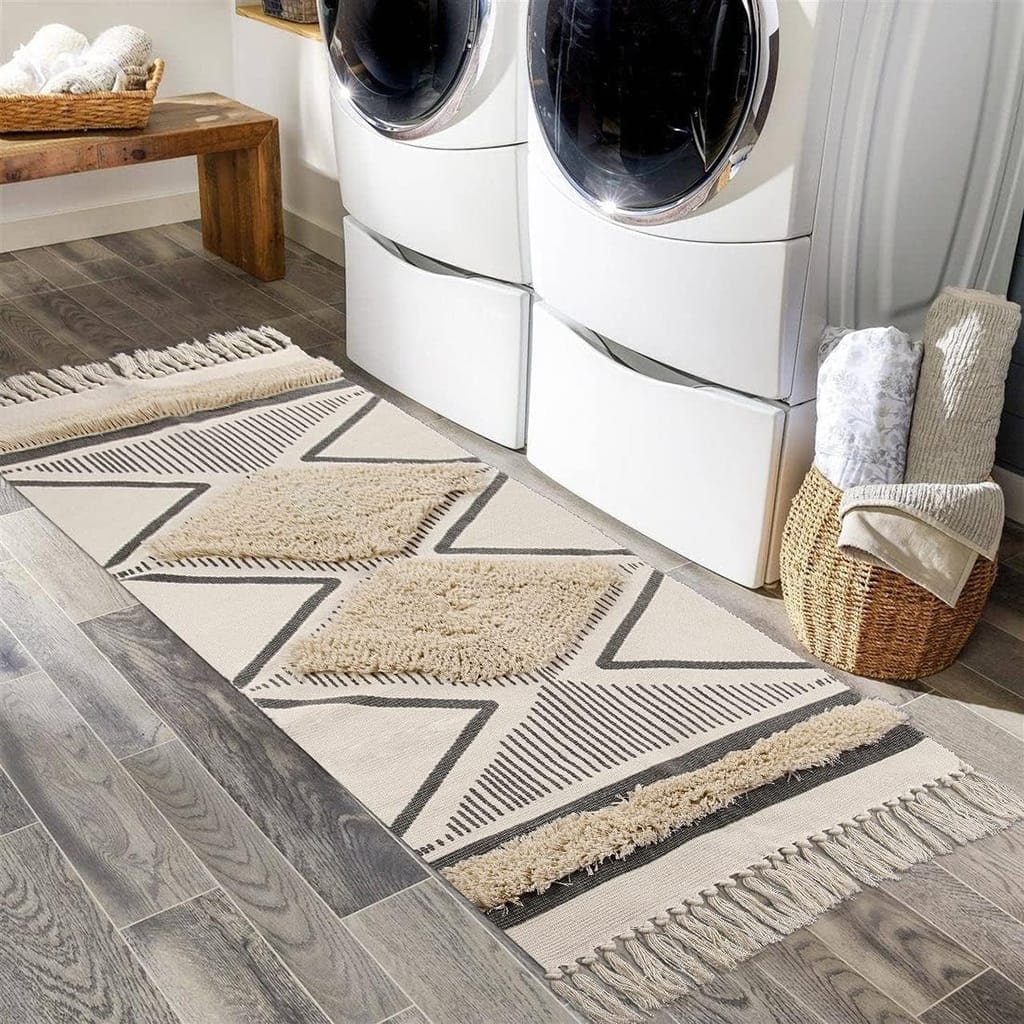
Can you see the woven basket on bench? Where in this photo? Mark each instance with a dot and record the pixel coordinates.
(860, 618)
(66, 112)
(303, 11)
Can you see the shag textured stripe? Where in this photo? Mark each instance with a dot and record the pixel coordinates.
(533, 862)
(347, 512)
(463, 622)
(644, 788)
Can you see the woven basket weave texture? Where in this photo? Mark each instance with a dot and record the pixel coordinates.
(861, 618)
(303, 11)
(66, 112)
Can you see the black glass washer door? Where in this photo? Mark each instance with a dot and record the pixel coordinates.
(642, 102)
(401, 60)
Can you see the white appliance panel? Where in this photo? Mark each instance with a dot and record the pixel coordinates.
(466, 207)
(458, 344)
(695, 468)
(726, 313)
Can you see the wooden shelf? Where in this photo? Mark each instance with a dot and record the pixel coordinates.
(255, 11)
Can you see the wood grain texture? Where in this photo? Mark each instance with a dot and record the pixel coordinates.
(256, 12)
(25, 335)
(80, 250)
(14, 659)
(57, 272)
(182, 126)
(410, 1016)
(61, 961)
(79, 587)
(117, 714)
(313, 943)
(992, 867)
(14, 812)
(829, 986)
(214, 968)
(17, 278)
(956, 909)
(14, 360)
(996, 654)
(242, 212)
(345, 854)
(1005, 607)
(139, 329)
(426, 933)
(144, 247)
(10, 499)
(743, 996)
(990, 999)
(131, 859)
(72, 324)
(980, 743)
(985, 698)
(218, 290)
(898, 951)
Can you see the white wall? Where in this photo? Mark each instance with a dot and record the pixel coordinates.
(208, 48)
(286, 75)
(195, 39)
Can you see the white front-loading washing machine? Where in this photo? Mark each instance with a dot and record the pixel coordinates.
(711, 182)
(429, 106)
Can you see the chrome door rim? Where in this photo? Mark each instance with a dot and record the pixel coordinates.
(479, 45)
(766, 64)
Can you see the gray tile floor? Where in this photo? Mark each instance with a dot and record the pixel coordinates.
(167, 855)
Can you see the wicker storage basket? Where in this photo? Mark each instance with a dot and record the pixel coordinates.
(863, 619)
(303, 11)
(64, 112)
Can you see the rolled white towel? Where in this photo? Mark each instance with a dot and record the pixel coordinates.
(117, 60)
(50, 49)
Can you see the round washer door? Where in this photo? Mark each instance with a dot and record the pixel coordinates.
(650, 106)
(404, 63)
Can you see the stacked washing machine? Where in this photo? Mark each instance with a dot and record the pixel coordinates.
(430, 111)
(711, 182)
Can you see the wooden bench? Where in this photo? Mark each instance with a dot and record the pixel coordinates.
(238, 152)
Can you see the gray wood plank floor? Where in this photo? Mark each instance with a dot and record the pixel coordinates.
(167, 855)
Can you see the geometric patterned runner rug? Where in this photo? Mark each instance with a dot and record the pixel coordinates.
(660, 792)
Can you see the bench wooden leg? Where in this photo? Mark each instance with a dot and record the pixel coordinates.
(240, 199)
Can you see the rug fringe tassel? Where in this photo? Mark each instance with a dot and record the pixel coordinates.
(144, 363)
(664, 958)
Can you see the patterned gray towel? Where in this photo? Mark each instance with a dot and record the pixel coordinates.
(866, 385)
(115, 62)
(933, 527)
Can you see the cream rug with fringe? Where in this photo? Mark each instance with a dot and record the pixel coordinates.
(638, 787)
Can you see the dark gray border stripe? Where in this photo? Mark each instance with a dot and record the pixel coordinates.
(73, 444)
(688, 762)
(430, 785)
(902, 738)
(606, 659)
(284, 634)
(195, 488)
(446, 544)
(313, 454)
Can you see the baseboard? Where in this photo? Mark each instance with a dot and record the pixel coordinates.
(99, 220)
(1013, 489)
(149, 213)
(329, 244)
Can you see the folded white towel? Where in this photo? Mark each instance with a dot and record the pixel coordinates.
(955, 511)
(51, 49)
(866, 385)
(117, 60)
